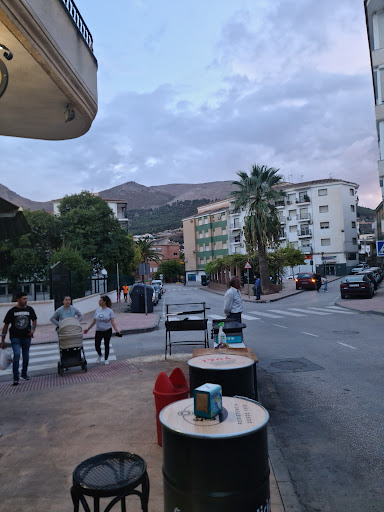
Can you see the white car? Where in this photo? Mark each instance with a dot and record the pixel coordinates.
(359, 268)
(158, 282)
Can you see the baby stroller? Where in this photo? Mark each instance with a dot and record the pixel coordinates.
(71, 348)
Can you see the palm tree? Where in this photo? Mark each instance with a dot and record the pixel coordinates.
(257, 194)
(147, 253)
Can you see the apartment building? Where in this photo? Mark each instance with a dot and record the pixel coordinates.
(166, 250)
(48, 71)
(205, 238)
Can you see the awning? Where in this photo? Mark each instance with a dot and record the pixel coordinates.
(12, 221)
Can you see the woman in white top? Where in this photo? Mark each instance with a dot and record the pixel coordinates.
(65, 311)
(104, 320)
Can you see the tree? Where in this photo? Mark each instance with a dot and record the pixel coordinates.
(147, 253)
(80, 269)
(88, 225)
(27, 258)
(289, 256)
(262, 229)
(171, 270)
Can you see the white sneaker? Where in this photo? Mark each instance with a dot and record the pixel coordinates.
(106, 361)
(98, 360)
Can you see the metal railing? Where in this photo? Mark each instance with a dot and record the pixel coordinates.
(304, 232)
(79, 22)
(303, 216)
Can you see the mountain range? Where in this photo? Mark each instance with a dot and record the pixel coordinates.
(139, 196)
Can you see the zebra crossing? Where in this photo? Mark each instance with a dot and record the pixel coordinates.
(280, 313)
(44, 357)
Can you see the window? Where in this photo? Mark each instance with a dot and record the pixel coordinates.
(224, 245)
(175, 254)
(201, 235)
(293, 229)
(323, 209)
(351, 256)
(306, 243)
(354, 241)
(323, 192)
(224, 231)
(26, 288)
(378, 30)
(381, 183)
(303, 197)
(206, 234)
(201, 261)
(325, 241)
(353, 224)
(205, 220)
(291, 214)
(304, 213)
(324, 225)
(154, 269)
(378, 84)
(352, 191)
(200, 221)
(214, 247)
(291, 198)
(3, 290)
(352, 207)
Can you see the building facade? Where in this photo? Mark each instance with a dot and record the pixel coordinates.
(374, 15)
(206, 238)
(318, 217)
(166, 251)
(48, 71)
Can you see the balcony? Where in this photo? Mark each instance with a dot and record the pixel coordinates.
(51, 89)
(282, 219)
(235, 240)
(235, 226)
(303, 217)
(306, 249)
(280, 204)
(303, 199)
(283, 235)
(304, 232)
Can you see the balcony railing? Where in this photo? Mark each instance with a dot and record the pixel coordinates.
(306, 249)
(78, 21)
(283, 234)
(304, 232)
(303, 216)
(235, 240)
(303, 199)
(235, 226)
(279, 203)
(282, 219)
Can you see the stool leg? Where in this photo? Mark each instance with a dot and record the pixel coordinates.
(75, 499)
(123, 507)
(145, 496)
(96, 505)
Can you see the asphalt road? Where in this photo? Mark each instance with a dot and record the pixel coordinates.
(320, 375)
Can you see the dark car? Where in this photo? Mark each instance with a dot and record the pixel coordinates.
(371, 276)
(357, 285)
(307, 280)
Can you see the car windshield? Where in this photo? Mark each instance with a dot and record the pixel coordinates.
(354, 279)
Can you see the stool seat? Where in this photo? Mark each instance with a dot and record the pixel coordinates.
(110, 474)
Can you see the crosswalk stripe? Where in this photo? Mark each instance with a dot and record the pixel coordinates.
(217, 317)
(309, 310)
(268, 315)
(285, 312)
(335, 309)
(247, 317)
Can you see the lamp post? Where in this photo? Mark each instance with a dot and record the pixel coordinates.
(322, 261)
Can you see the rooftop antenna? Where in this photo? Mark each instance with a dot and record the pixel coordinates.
(331, 175)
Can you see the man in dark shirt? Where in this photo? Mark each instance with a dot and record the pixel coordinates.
(22, 319)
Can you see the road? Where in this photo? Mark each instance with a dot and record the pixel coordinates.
(321, 378)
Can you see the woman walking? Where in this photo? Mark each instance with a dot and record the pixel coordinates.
(65, 311)
(104, 320)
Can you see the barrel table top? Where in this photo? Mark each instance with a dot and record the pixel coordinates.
(241, 351)
(240, 417)
(220, 362)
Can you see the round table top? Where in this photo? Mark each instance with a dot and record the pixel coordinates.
(240, 417)
(111, 471)
(220, 362)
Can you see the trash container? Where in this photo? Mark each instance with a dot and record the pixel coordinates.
(168, 390)
(137, 298)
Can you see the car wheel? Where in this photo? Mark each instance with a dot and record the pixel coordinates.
(343, 296)
(297, 287)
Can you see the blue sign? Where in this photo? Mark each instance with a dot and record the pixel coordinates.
(380, 247)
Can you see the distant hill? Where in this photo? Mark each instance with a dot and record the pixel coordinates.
(141, 197)
(12, 197)
(364, 213)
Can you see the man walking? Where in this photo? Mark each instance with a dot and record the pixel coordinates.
(233, 304)
(125, 292)
(257, 288)
(324, 281)
(22, 319)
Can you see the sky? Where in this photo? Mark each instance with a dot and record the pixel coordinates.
(191, 92)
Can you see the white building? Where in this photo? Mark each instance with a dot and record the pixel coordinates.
(317, 217)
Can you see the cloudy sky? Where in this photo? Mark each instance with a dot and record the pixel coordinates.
(195, 91)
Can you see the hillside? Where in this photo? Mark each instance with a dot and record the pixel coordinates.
(165, 217)
(12, 197)
(141, 197)
(364, 213)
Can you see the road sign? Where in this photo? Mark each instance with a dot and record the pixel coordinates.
(247, 265)
(380, 247)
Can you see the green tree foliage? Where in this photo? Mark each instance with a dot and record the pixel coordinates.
(289, 256)
(27, 258)
(256, 193)
(88, 225)
(146, 251)
(80, 269)
(169, 216)
(172, 270)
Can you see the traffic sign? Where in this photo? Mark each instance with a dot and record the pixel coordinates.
(380, 247)
(247, 265)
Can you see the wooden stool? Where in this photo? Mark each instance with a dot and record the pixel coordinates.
(110, 474)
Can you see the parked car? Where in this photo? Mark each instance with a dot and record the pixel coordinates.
(359, 268)
(158, 288)
(371, 276)
(158, 282)
(357, 285)
(155, 296)
(292, 277)
(307, 280)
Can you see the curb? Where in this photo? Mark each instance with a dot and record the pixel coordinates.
(369, 311)
(296, 292)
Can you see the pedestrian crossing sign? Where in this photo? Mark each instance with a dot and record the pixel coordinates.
(380, 247)
(247, 265)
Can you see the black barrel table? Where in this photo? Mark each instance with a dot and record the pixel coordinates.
(218, 465)
(234, 373)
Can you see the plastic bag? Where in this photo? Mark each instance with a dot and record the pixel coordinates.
(5, 359)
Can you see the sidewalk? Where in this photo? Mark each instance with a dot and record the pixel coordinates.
(128, 323)
(374, 305)
(53, 423)
(289, 289)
